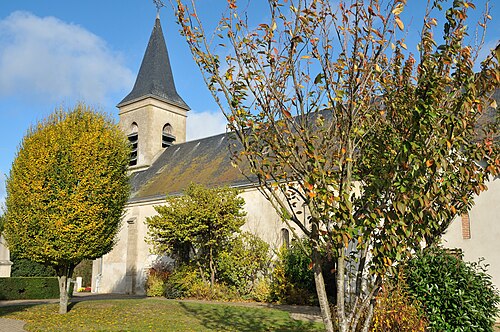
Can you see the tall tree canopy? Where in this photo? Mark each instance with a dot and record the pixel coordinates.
(197, 225)
(332, 112)
(66, 191)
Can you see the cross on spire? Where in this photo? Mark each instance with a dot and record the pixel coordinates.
(158, 4)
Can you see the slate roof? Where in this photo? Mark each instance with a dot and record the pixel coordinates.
(155, 77)
(205, 161)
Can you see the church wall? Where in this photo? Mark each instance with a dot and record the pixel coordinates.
(126, 266)
(5, 263)
(484, 241)
(124, 270)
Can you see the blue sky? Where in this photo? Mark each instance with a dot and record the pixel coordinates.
(58, 52)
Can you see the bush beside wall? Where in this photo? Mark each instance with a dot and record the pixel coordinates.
(21, 288)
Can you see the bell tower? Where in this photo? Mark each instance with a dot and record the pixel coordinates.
(153, 115)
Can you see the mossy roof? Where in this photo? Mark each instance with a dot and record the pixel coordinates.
(205, 161)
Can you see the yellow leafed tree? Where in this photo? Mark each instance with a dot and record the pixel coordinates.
(66, 191)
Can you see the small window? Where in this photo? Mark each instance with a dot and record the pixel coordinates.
(285, 237)
(167, 138)
(133, 138)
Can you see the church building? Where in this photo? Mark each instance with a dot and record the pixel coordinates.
(154, 116)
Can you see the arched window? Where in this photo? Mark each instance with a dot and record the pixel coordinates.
(167, 138)
(133, 138)
(285, 237)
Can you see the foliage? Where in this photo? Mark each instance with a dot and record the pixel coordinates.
(156, 315)
(293, 278)
(158, 275)
(244, 262)
(395, 311)
(457, 296)
(183, 279)
(261, 291)
(197, 225)
(22, 267)
(28, 288)
(324, 96)
(2, 222)
(66, 191)
(185, 282)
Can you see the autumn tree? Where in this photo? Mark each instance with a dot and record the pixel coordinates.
(66, 191)
(331, 111)
(197, 225)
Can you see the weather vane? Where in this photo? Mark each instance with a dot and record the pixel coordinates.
(158, 4)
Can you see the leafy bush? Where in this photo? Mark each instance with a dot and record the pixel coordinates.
(243, 263)
(157, 278)
(395, 311)
(182, 281)
(457, 296)
(261, 291)
(22, 288)
(293, 277)
(186, 282)
(22, 267)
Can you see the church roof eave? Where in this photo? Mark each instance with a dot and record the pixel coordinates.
(182, 104)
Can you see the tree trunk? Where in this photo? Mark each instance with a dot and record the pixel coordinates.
(321, 291)
(324, 305)
(64, 277)
(341, 316)
(212, 269)
(63, 294)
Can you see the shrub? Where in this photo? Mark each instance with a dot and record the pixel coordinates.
(22, 267)
(186, 282)
(262, 290)
(157, 278)
(245, 261)
(396, 311)
(21, 288)
(457, 296)
(182, 282)
(292, 277)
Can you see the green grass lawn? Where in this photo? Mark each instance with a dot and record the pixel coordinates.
(155, 315)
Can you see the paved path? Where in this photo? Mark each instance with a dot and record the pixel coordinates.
(11, 325)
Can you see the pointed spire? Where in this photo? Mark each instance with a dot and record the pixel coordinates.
(155, 77)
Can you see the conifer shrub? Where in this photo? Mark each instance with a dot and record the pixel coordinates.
(456, 296)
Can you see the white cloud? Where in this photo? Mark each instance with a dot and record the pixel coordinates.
(203, 124)
(44, 57)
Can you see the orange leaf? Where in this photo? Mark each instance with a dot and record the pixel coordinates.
(400, 24)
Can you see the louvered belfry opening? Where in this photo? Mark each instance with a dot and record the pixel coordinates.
(133, 138)
(167, 138)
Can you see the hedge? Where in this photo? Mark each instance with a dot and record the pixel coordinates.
(27, 288)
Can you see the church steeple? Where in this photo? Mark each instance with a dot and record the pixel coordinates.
(153, 115)
(155, 77)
